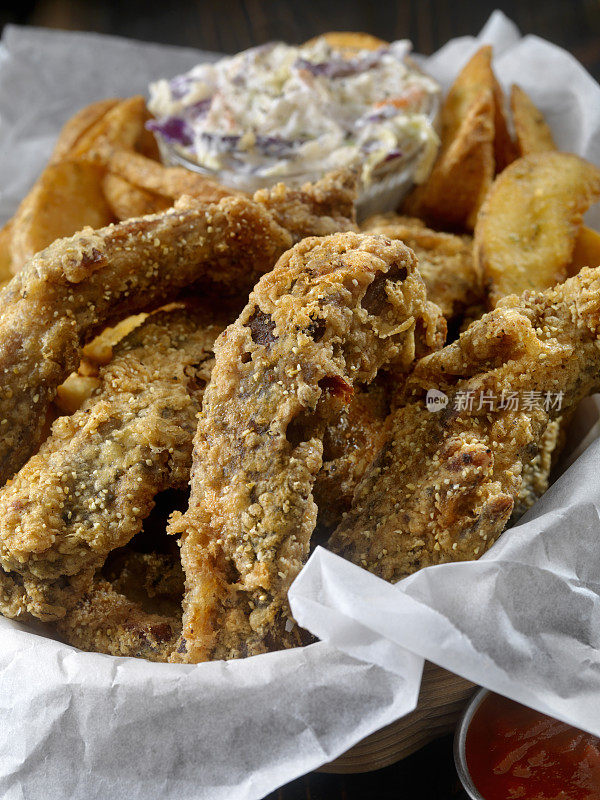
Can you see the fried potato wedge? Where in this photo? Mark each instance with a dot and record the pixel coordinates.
(127, 200)
(169, 182)
(586, 252)
(350, 42)
(147, 144)
(531, 129)
(464, 169)
(505, 149)
(526, 230)
(78, 126)
(122, 127)
(67, 197)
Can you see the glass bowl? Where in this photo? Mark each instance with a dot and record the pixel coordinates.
(384, 194)
(460, 738)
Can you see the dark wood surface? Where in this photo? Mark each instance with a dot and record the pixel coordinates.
(232, 25)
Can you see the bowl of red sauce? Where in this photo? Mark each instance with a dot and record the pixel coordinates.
(506, 751)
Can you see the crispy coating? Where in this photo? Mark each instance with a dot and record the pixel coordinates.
(350, 444)
(107, 620)
(315, 209)
(94, 480)
(536, 473)
(445, 261)
(331, 313)
(132, 609)
(153, 580)
(444, 485)
(74, 288)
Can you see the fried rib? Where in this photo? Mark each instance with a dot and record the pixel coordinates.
(445, 261)
(94, 480)
(330, 314)
(77, 286)
(444, 485)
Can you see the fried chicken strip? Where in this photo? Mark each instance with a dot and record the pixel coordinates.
(331, 313)
(444, 485)
(77, 286)
(94, 480)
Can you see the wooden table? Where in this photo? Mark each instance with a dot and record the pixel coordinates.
(232, 25)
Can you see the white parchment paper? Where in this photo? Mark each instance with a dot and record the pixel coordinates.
(84, 726)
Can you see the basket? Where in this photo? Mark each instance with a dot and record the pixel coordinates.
(442, 699)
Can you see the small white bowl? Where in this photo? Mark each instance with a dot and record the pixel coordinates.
(460, 738)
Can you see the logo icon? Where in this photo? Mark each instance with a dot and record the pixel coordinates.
(435, 400)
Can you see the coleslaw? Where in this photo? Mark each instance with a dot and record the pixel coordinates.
(278, 111)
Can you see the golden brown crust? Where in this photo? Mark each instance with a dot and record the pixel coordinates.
(106, 621)
(77, 286)
(94, 480)
(350, 42)
(328, 316)
(536, 474)
(445, 261)
(444, 485)
(350, 444)
(531, 129)
(464, 169)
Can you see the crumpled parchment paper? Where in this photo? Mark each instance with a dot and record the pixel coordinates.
(84, 726)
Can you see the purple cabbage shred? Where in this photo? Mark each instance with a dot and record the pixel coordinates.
(342, 67)
(172, 129)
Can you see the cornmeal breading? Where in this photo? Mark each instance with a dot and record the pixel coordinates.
(331, 313)
(94, 480)
(536, 473)
(77, 286)
(350, 444)
(444, 485)
(445, 261)
(132, 609)
(106, 621)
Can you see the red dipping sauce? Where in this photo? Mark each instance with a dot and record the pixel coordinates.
(513, 752)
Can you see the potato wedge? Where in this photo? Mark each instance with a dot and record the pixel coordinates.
(99, 350)
(531, 129)
(147, 144)
(127, 200)
(464, 169)
(79, 124)
(505, 149)
(350, 42)
(586, 252)
(121, 128)
(67, 197)
(5, 255)
(170, 182)
(526, 231)
(73, 393)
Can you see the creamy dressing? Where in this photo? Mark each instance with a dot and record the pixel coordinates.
(282, 111)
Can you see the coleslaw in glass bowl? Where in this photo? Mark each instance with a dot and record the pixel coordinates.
(283, 113)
